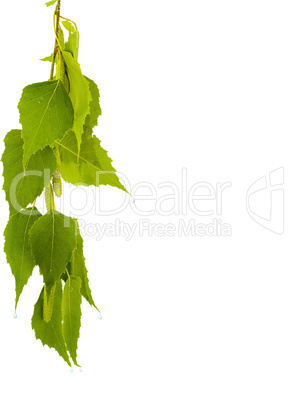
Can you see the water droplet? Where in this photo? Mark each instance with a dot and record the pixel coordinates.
(100, 316)
(14, 315)
(71, 370)
(80, 369)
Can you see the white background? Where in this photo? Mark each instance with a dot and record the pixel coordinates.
(201, 85)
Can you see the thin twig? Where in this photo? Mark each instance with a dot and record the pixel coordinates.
(57, 16)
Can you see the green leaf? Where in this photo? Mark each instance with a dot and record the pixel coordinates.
(17, 247)
(71, 313)
(69, 26)
(93, 167)
(95, 109)
(78, 268)
(46, 114)
(50, 333)
(48, 58)
(53, 239)
(23, 187)
(79, 94)
(50, 3)
(72, 45)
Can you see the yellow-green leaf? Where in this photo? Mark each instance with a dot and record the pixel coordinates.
(92, 167)
(79, 94)
(53, 239)
(46, 114)
(71, 314)
(18, 249)
(78, 268)
(21, 186)
(72, 45)
(50, 332)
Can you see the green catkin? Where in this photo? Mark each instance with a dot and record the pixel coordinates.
(56, 178)
(61, 68)
(49, 198)
(48, 304)
(57, 184)
(57, 156)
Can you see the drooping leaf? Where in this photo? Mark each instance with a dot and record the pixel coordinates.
(71, 314)
(78, 268)
(95, 109)
(46, 114)
(23, 187)
(93, 167)
(53, 239)
(72, 45)
(50, 3)
(79, 94)
(50, 333)
(17, 247)
(69, 26)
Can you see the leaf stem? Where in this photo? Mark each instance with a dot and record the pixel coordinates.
(67, 19)
(57, 45)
